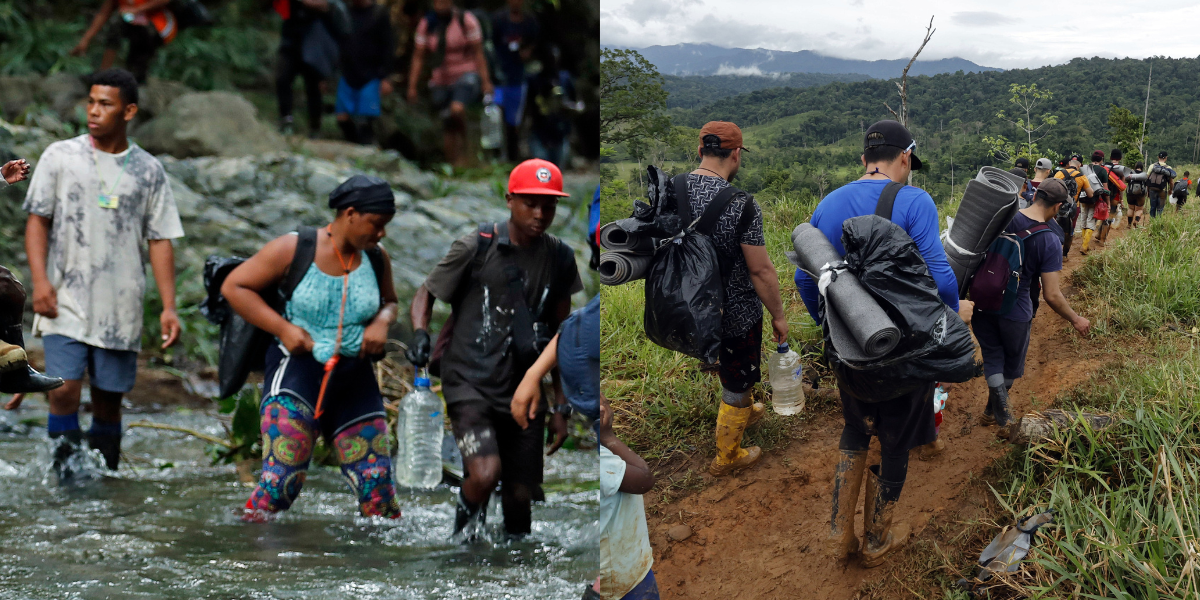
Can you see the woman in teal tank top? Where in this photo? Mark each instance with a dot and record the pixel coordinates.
(319, 378)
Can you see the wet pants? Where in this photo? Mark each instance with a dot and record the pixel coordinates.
(291, 64)
(289, 433)
(893, 465)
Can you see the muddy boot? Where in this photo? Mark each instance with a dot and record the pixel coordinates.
(64, 445)
(12, 358)
(988, 418)
(731, 457)
(22, 378)
(469, 519)
(998, 398)
(758, 409)
(932, 449)
(847, 480)
(1087, 239)
(880, 538)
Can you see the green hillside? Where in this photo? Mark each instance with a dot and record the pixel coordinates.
(698, 90)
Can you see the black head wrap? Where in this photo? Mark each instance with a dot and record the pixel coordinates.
(365, 194)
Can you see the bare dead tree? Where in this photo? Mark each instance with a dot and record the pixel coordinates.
(902, 85)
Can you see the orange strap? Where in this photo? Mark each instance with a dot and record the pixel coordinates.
(337, 344)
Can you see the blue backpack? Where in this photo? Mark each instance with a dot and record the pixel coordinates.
(994, 285)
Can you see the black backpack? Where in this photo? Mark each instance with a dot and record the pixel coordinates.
(1159, 176)
(1069, 180)
(1180, 190)
(243, 347)
(685, 285)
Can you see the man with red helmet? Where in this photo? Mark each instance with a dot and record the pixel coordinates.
(509, 285)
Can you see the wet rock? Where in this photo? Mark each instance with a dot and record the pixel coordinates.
(209, 124)
(679, 532)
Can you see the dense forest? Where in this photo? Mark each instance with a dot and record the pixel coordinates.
(807, 139)
(697, 90)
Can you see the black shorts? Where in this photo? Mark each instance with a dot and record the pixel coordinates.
(900, 424)
(351, 396)
(482, 429)
(1003, 343)
(1139, 200)
(741, 360)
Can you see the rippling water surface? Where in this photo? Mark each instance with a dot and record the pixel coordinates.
(166, 526)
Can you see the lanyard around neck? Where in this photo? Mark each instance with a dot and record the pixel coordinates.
(96, 164)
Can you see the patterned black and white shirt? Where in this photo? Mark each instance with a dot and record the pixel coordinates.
(743, 310)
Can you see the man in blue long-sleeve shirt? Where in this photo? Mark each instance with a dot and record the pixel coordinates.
(904, 423)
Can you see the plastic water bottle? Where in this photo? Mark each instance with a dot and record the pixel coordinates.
(419, 429)
(492, 126)
(787, 387)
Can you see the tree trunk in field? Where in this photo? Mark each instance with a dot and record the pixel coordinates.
(1035, 428)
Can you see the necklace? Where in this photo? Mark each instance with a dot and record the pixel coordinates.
(337, 343)
(106, 200)
(710, 171)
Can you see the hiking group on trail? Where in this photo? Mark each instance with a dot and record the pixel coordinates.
(324, 299)
(894, 394)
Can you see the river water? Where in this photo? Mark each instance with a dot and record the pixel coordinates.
(166, 526)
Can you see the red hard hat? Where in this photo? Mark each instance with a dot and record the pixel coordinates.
(536, 177)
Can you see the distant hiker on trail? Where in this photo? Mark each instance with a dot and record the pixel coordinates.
(1160, 180)
(1180, 191)
(509, 286)
(16, 376)
(1004, 338)
(450, 41)
(1104, 221)
(751, 282)
(1135, 193)
(367, 57)
(98, 207)
(1121, 172)
(1082, 195)
(901, 424)
(514, 37)
(147, 24)
(308, 48)
(319, 378)
(1026, 188)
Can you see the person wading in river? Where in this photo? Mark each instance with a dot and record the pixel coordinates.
(751, 283)
(16, 376)
(319, 379)
(98, 206)
(904, 423)
(509, 285)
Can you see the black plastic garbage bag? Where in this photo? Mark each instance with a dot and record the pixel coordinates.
(243, 347)
(684, 296)
(935, 344)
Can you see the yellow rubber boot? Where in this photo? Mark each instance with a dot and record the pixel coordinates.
(12, 357)
(1087, 238)
(731, 456)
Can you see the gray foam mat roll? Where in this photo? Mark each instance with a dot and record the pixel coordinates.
(989, 203)
(860, 329)
(616, 236)
(617, 268)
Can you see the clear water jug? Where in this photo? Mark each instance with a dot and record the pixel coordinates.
(492, 127)
(419, 430)
(787, 388)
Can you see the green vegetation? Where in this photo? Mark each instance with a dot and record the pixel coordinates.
(693, 91)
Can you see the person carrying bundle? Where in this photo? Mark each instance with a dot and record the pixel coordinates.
(1080, 191)
(319, 378)
(906, 422)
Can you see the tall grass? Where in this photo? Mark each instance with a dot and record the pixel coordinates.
(1149, 279)
(1127, 498)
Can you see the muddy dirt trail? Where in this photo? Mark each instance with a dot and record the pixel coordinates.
(761, 534)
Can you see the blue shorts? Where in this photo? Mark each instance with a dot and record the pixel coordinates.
(108, 370)
(351, 396)
(511, 98)
(647, 589)
(363, 102)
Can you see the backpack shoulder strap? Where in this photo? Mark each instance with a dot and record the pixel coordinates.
(306, 251)
(484, 236)
(1027, 232)
(716, 207)
(887, 198)
(375, 255)
(683, 205)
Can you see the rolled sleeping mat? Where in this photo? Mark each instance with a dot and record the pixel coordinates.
(989, 203)
(617, 268)
(615, 236)
(860, 330)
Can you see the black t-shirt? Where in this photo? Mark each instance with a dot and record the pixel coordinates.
(480, 362)
(508, 38)
(367, 54)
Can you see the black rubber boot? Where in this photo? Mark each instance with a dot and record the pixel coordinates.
(109, 446)
(27, 380)
(1000, 408)
(366, 131)
(517, 500)
(469, 519)
(65, 445)
(349, 130)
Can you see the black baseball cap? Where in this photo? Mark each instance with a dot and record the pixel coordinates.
(1162, 154)
(1022, 163)
(892, 133)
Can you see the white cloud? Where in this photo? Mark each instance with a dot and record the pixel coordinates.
(971, 29)
(752, 70)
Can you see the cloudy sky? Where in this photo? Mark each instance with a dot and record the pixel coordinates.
(987, 33)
